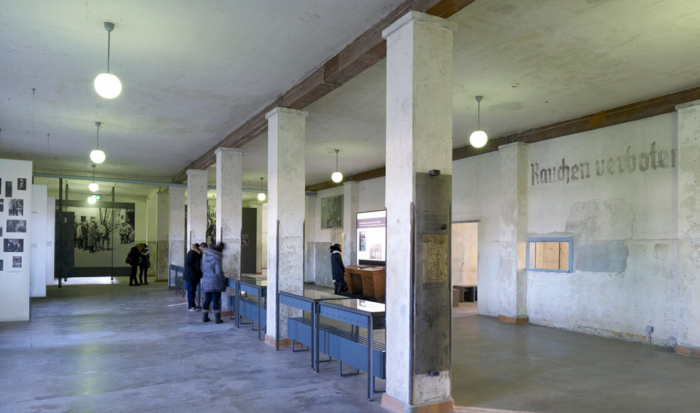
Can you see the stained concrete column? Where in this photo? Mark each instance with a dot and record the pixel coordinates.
(177, 234)
(162, 235)
(418, 139)
(688, 228)
(351, 205)
(229, 207)
(513, 234)
(196, 206)
(152, 229)
(286, 171)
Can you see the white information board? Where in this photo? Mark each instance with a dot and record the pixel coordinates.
(371, 236)
(50, 238)
(37, 240)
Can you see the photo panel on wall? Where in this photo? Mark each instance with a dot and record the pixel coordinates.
(2, 205)
(16, 262)
(13, 245)
(16, 207)
(21, 184)
(8, 189)
(16, 225)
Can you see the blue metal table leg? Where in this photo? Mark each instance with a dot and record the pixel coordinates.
(370, 344)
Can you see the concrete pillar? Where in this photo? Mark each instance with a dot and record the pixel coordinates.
(196, 206)
(688, 229)
(418, 139)
(286, 171)
(177, 233)
(229, 207)
(351, 205)
(152, 229)
(513, 236)
(163, 230)
(258, 238)
(310, 237)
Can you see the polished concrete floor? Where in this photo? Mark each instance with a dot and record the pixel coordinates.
(102, 347)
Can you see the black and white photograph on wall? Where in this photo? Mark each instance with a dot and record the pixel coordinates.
(13, 245)
(363, 241)
(16, 208)
(21, 184)
(0, 231)
(2, 205)
(8, 188)
(1, 265)
(16, 262)
(16, 225)
(100, 232)
(332, 212)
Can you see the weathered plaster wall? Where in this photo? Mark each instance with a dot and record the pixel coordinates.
(476, 196)
(372, 194)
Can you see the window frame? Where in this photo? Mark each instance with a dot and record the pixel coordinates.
(570, 240)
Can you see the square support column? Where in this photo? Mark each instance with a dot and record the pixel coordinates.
(351, 205)
(286, 168)
(513, 235)
(418, 139)
(196, 206)
(688, 229)
(229, 208)
(177, 233)
(162, 236)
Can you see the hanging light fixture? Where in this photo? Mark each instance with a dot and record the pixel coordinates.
(92, 199)
(478, 138)
(337, 176)
(97, 156)
(93, 187)
(261, 195)
(106, 84)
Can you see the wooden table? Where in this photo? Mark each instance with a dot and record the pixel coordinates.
(366, 280)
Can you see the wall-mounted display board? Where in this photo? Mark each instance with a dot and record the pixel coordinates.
(50, 238)
(371, 236)
(15, 230)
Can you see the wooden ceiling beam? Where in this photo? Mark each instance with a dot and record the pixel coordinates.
(611, 117)
(365, 51)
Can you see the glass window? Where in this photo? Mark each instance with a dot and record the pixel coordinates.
(550, 254)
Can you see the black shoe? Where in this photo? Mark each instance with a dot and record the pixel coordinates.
(205, 318)
(217, 316)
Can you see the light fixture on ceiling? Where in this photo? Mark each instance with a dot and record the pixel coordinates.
(261, 195)
(337, 176)
(93, 187)
(478, 138)
(92, 199)
(106, 84)
(97, 156)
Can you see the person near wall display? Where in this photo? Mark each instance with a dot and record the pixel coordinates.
(133, 259)
(193, 273)
(338, 269)
(144, 265)
(213, 281)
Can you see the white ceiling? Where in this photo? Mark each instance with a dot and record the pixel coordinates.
(566, 59)
(191, 73)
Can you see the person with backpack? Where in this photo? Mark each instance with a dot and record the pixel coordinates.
(144, 265)
(133, 259)
(213, 281)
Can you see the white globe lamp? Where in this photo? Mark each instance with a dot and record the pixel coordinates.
(337, 177)
(92, 199)
(107, 85)
(478, 138)
(261, 196)
(97, 156)
(93, 187)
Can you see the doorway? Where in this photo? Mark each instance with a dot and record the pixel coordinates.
(465, 266)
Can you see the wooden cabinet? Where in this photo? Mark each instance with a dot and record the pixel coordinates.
(366, 280)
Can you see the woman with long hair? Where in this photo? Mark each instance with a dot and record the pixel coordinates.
(213, 281)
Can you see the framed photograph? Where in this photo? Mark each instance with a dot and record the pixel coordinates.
(8, 188)
(16, 262)
(332, 212)
(13, 245)
(2, 204)
(16, 208)
(21, 184)
(16, 225)
(0, 231)
(1, 266)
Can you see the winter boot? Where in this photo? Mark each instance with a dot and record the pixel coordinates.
(217, 316)
(205, 316)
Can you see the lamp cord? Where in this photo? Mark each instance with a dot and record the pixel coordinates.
(109, 41)
(478, 115)
(98, 138)
(336, 160)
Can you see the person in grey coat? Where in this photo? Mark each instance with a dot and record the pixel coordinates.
(213, 281)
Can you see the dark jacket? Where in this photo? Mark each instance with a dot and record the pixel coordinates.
(135, 257)
(145, 258)
(193, 269)
(213, 279)
(337, 265)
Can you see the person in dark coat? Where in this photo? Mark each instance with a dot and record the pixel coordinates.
(338, 269)
(193, 273)
(144, 265)
(213, 281)
(133, 259)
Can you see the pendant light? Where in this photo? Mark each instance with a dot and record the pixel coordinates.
(337, 176)
(97, 156)
(478, 138)
(106, 84)
(93, 187)
(92, 199)
(261, 195)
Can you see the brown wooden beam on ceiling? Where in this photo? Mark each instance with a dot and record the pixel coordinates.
(368, 49)
(611, 117)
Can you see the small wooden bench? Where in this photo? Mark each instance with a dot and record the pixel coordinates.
(344, 346)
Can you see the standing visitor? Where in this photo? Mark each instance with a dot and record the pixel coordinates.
(145, 264)
(338, 269)
(133, 259)
(92, 237)
(213, 281)
(84, 231)
(78, 236)
(123, 231)
(193, 273)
